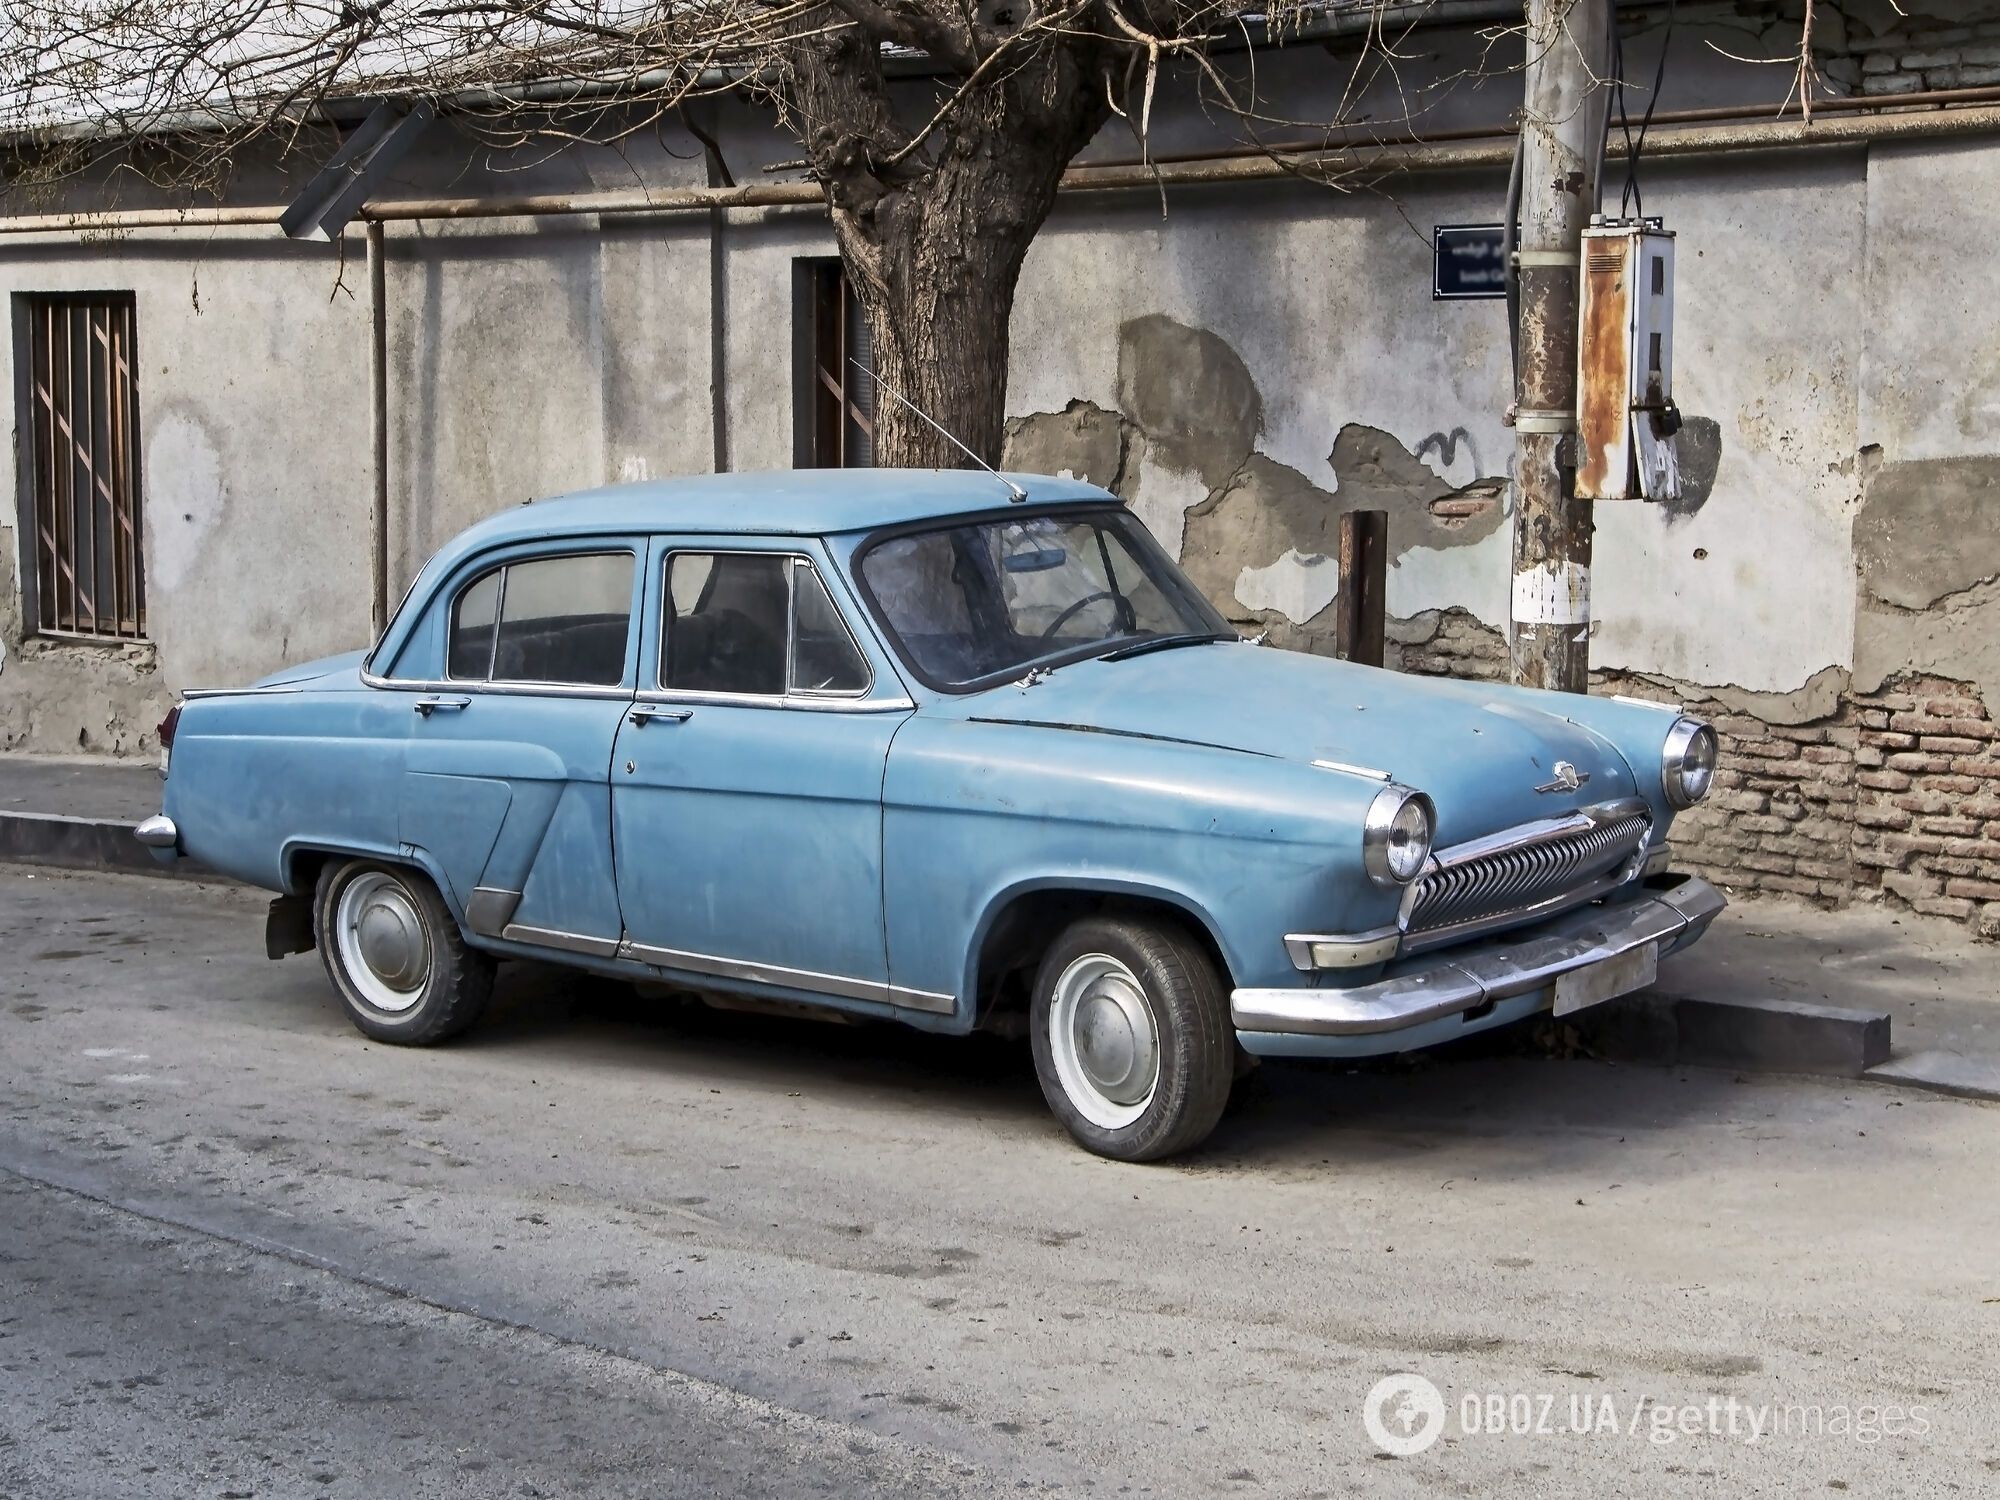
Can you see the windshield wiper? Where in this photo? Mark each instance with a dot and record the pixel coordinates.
(1168, 642)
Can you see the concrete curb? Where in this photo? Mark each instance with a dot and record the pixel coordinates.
(1774, 1036)
(1941, 1073)
(1783, 1035)
(85, 844)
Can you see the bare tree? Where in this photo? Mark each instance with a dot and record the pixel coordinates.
(934, 208)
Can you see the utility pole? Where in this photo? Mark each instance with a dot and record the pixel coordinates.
(1562, 134)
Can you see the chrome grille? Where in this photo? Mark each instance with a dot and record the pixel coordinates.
(1524, 870)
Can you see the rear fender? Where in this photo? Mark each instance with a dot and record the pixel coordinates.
(300, 860)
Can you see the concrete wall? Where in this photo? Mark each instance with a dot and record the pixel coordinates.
(1242, 370)
(254, 446)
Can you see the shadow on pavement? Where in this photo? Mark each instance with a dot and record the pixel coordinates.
(1511, 1082)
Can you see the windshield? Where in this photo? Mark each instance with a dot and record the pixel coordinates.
(984, 600)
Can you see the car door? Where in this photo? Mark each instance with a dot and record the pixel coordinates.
(506, 782)
(747, 785)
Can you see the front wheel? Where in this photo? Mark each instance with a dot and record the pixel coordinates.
(1132, 1037)
(395, 954)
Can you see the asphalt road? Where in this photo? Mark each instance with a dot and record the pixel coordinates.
(611, 1246)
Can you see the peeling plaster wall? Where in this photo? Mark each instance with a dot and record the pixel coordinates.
(1930, 415)
(1755, 589)
(255, 548)
(532, 357)
(526, 357)
(1320, 322)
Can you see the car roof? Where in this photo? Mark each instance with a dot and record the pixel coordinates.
(783, 502)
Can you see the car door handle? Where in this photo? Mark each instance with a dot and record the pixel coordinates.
(645, 713)
(433, 704)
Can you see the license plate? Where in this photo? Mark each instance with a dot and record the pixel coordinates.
(1603, 981)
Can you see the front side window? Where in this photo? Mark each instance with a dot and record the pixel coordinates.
(756, 623)
(979, 600)
(549, 619)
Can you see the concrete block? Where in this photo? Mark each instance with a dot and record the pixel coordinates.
(1782, 1036)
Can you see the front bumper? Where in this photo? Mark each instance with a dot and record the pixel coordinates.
(1520, 967)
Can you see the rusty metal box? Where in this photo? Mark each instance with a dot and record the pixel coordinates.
(1626, 417)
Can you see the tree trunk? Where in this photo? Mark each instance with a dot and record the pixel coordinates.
(938, 294)
(933, 237)
(935, 271)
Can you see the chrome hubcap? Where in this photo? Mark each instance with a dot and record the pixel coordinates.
(384, 945)
(1104, 1041)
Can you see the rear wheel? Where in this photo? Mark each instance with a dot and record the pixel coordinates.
(1132, 1037)
(395, 954)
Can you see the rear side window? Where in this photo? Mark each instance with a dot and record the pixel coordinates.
(757, 623)
(551, 619)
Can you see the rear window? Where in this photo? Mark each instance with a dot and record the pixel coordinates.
(561, 619)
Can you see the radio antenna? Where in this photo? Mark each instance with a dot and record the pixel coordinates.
(1014, 491)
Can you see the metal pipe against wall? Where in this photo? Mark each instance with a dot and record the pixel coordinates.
(1496, 150)
(378, 428)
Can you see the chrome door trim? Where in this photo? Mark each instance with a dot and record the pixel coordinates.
(851, 701)
(807, 702)
(188, 694)
(567, 942)
(512, 689)
(507, 565)
(786, 978)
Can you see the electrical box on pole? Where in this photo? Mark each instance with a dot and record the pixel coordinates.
(1626, 418)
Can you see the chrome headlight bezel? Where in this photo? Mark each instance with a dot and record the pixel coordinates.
(1386, 844)
(1690, 753)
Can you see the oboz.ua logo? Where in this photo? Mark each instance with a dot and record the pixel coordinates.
(1403, 1414)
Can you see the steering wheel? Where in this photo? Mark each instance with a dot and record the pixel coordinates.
(1124, 611)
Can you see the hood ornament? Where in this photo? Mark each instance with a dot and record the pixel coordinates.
(1567, 779)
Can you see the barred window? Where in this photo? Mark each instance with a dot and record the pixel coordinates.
(82, 564)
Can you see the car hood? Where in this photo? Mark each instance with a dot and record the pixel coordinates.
(1481, 751)
(347, 664)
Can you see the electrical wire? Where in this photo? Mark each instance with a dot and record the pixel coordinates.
(1510, 236)
(1630, 204)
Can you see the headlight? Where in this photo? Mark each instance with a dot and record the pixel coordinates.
(1688, 762)
(1396, 837)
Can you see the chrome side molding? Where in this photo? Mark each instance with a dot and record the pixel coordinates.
(490, 907)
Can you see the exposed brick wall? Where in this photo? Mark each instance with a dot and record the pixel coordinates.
(1927, 815)
(1892, 797)
(1918, 52)
(1451, 643)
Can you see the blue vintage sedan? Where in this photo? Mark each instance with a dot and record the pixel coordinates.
(955, 749)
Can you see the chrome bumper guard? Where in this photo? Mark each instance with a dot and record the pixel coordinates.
(157, 832)
(1467, 977)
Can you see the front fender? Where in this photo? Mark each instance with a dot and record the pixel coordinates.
(1133, 886)
(1251, 846)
